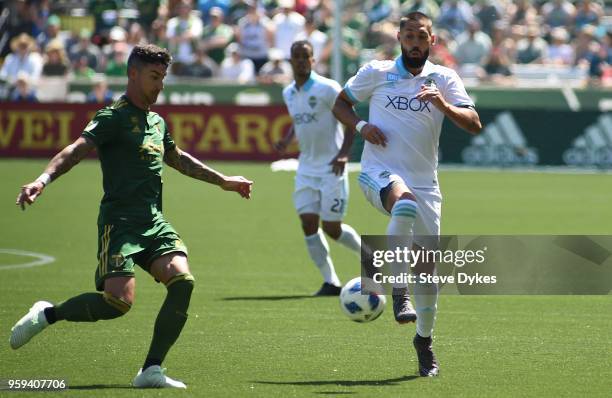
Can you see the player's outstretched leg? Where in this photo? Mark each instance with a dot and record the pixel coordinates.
(428, 364)
(168, 326)
(29, 325)
(400, 234)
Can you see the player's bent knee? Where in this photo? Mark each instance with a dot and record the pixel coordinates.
(184, 277)
(332, 229)
(118, 306)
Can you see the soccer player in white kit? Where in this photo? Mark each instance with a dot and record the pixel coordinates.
(321, 182)
(409, 98)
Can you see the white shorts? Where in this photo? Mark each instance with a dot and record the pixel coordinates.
(326, 196)
(429, 200)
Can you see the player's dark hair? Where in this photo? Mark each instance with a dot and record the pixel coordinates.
(415, 16)
(302, 43)
(148, 54)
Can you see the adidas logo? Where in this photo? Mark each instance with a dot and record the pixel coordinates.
(501, 143)
(594, 147)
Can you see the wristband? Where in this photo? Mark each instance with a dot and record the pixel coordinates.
(360, 125)
(45, 178)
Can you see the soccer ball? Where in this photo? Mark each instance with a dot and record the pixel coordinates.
(358, 305)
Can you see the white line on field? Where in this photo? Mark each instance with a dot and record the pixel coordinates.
(571, 98)
(41, 259)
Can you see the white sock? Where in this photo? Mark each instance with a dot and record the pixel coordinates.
(426, 304)
(350, 238)
(403, 216)
(319, 252)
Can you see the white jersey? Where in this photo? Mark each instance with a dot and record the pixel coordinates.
(318, 132)
(412, 127)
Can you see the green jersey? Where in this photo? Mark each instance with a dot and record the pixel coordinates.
(131, 143)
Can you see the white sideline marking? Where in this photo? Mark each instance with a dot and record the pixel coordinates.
(291, 165)
(571, 98)
(41, 259)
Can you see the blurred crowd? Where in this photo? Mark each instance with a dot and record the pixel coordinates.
(248, 41)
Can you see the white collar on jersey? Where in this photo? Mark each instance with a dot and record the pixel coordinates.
(306, 86)
(405, 74)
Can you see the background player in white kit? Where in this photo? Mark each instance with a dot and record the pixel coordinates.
(409, 97)
(321, 182)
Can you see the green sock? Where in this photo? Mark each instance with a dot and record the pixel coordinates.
(91, 307)
(171, 318)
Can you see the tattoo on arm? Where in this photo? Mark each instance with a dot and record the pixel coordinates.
(192, 167)
(69, 157)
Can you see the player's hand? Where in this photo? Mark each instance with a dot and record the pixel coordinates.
(339, 164)
(280, 146)
(238, 184)
(430, 93)
(373, 135)
(29, 193)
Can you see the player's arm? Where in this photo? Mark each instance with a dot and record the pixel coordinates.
(341, 159)
(282, 144)
(344, 112)
(61, 163)
(192, 167)
(464, 117)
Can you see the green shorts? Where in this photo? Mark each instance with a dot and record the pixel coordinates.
(120, 247)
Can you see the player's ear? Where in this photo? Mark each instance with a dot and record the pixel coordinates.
(433, 40)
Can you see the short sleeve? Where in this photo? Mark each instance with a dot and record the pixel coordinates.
(455, 93)
(169, 143)
(360, 87)
(331, 93)
(102, 128)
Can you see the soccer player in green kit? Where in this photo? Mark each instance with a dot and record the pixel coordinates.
(132, 142)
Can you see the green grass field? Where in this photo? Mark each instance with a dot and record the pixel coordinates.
(251, 333)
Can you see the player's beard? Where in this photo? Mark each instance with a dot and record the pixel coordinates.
(414, 62)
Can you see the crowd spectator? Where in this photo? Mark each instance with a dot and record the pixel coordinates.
(56, 62)
(52, 31)
(318, 40)
(287, 25)
(117, 65)
(559, 52)
(473, 45)
(531, 49)
(477, 37)
(587, 13)
(82, 70)
(558, 13)
(455, 16)
(23, 91)
(276, 70)
(217, 35)
(522, 12)
(236, 68)
(183, 33)
(203, 66)
(255, 35)
(84, 48)
(488, 13)
(205, 7)
(100, 93)
(427, 7)
(23, 59)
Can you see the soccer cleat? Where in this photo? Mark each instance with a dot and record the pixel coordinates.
(327, 289)
(402, 308)
(29, 325)
(428, 364)
(155, 377)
